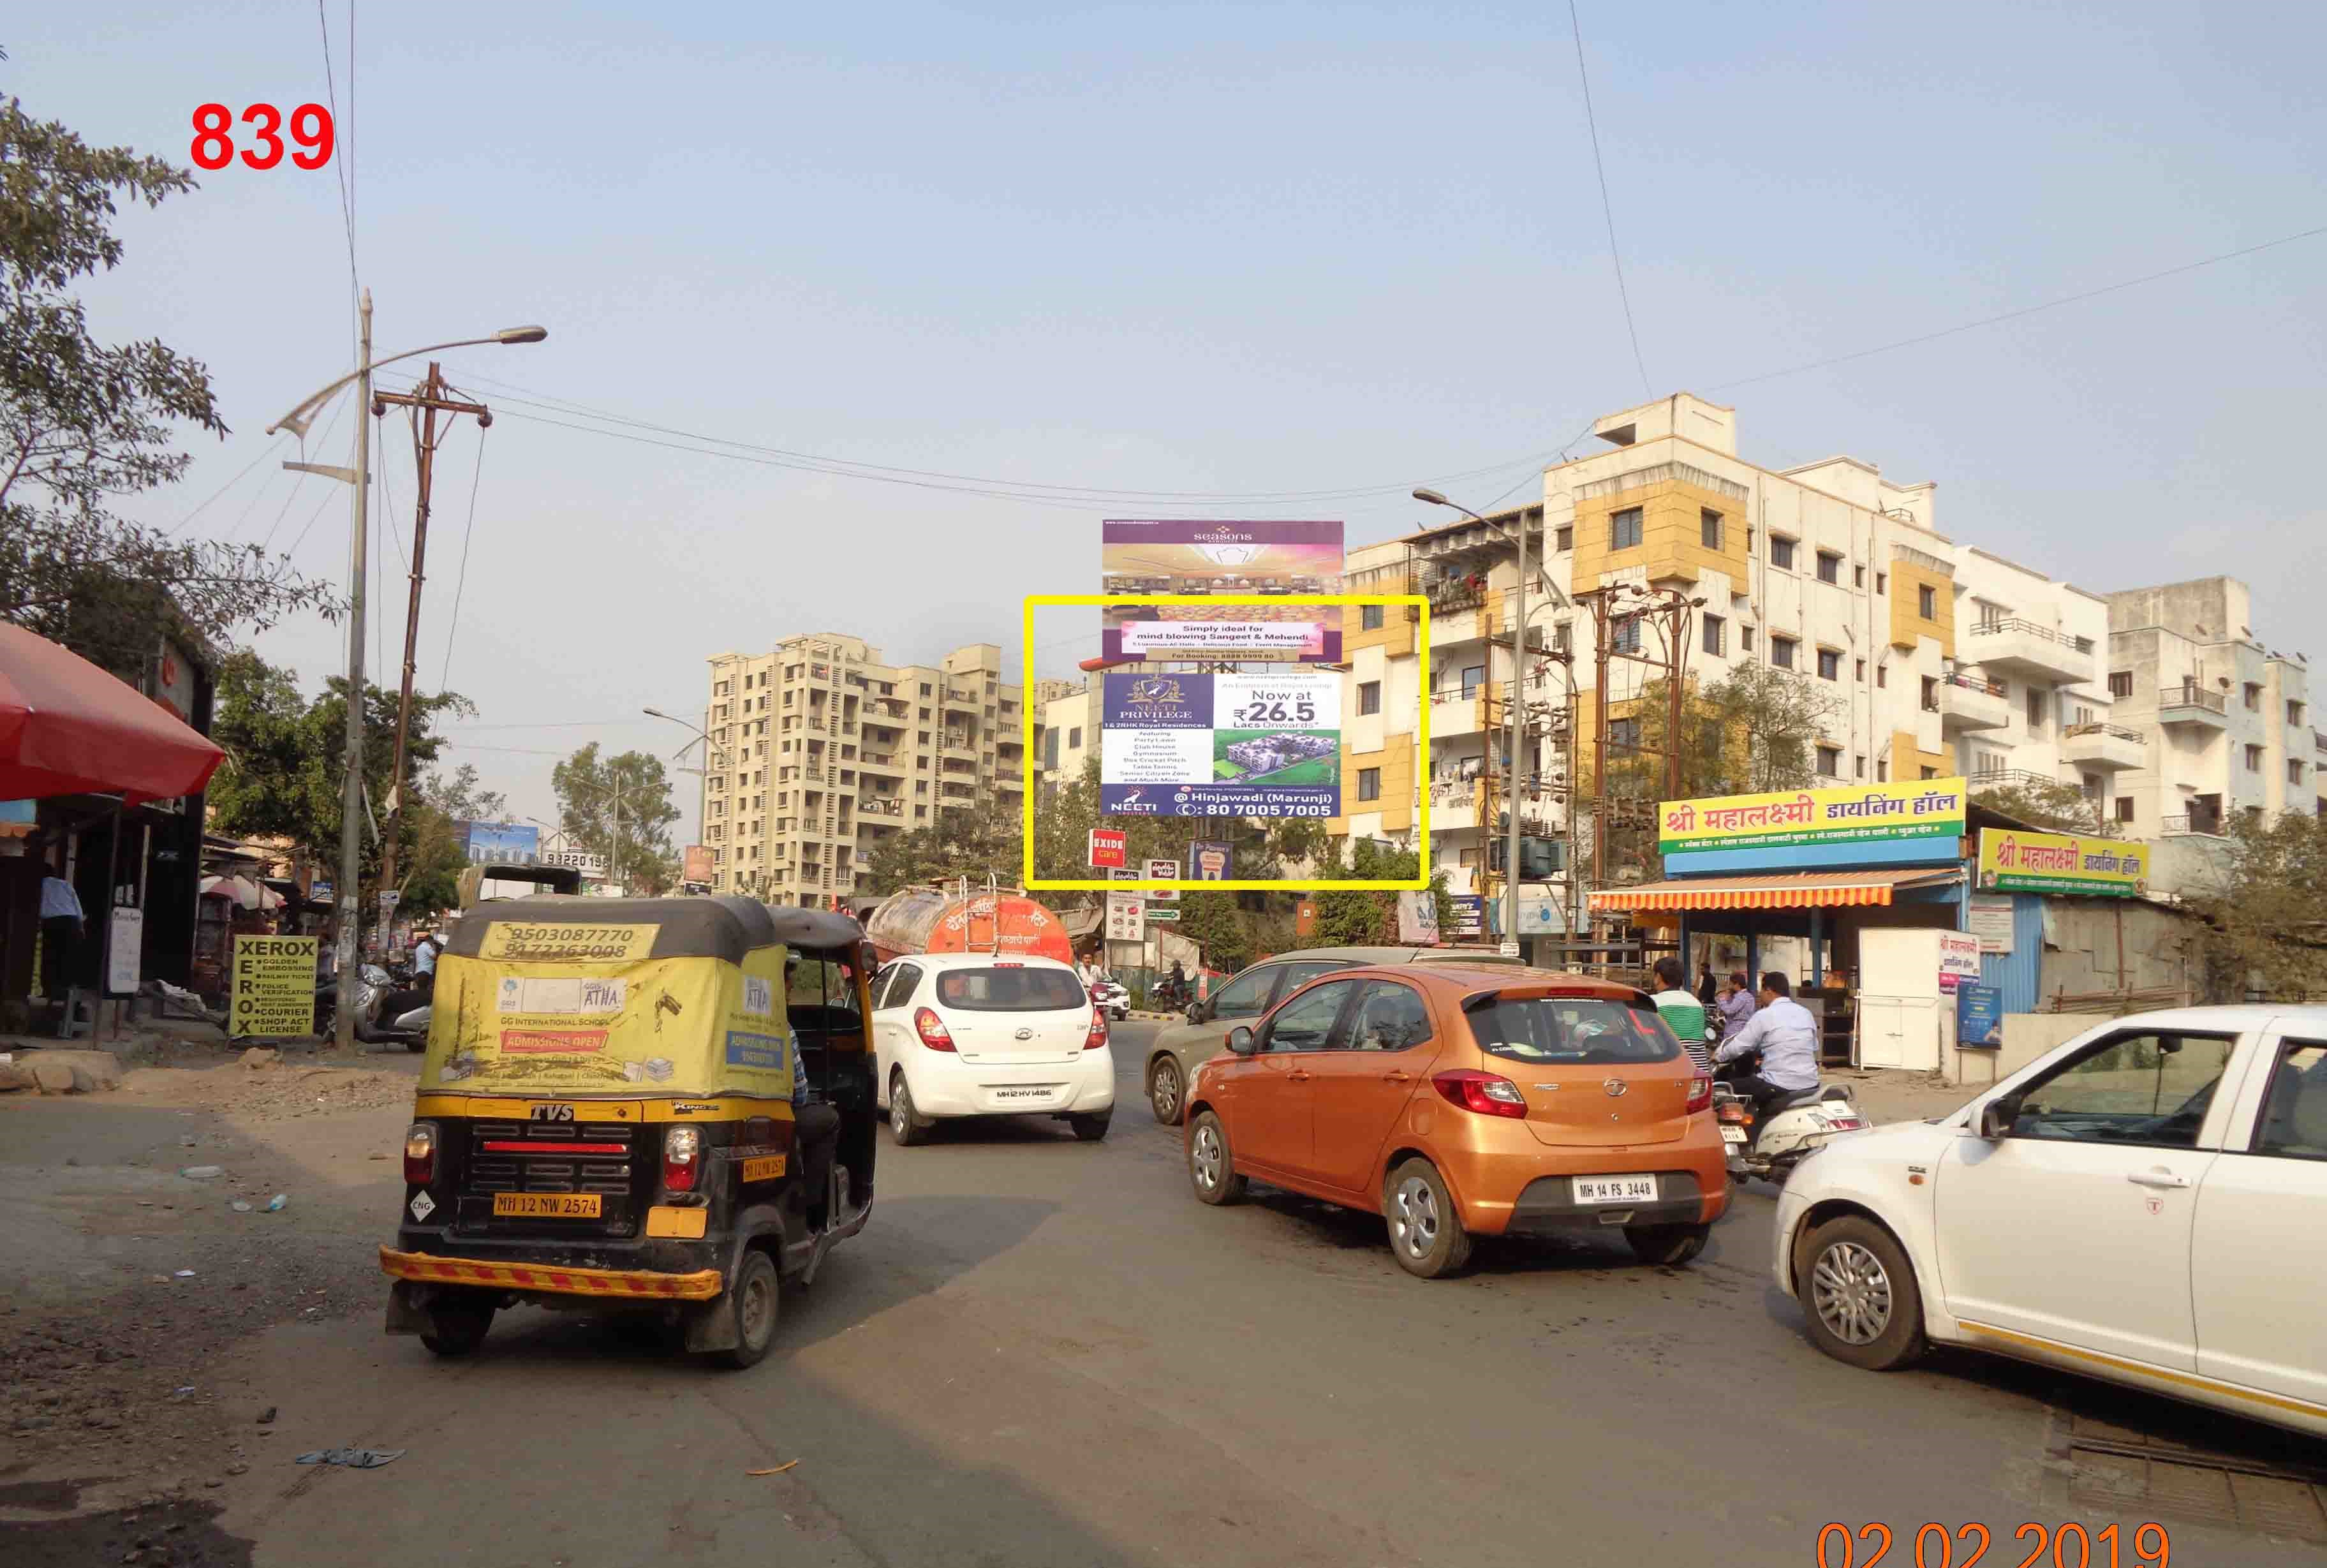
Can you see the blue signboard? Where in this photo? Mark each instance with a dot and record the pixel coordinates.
(1979, 1017)
(501, 842)
(1470, 914)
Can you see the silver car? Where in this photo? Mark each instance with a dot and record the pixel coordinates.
(1179, 1049)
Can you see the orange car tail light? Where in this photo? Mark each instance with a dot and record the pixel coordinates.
(1481, 1092)
(1700, 1092)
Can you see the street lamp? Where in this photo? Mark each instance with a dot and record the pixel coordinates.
(359, 476)
(1511, 710)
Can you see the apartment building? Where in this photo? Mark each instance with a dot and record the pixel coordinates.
(1066, 733)
(2229, 717)
(821, 750)
(1941, 657)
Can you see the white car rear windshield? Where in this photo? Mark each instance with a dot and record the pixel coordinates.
(1572, 1031)
(1007, 988)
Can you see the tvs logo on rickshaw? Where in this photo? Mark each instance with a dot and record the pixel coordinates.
(551, 1041)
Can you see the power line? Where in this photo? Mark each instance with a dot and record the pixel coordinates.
(468, 532)
(178, 526)
(1607, 211)
(340, 165)
(2026, 310)
(340, 408)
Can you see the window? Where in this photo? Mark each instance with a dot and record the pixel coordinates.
(902, 981)
(2124, 808)
(1473, 677)
(1708, 527)
(1927, 774)
(1565, 538)
(1627, 635)
(1829, 566)
(1782, 553)
(1883, 582)
(1782, 652)
(2294, 772)
(1715, 635)
(925, 691)
(1858, 576)
(1829, 761)
(1248, 995)
(1368, 783)
(1883, 675)
(2036, 711)
(1051, 750)
(1927, 601)
(2149, 1088)
(2253, 758)
(2294, 1121)
(1391, 1017)
(1624, 528)
(1745, 639)
(1370, 696)
(1858, 765)
(2254, 697)
(1829, 664)
(1017, 988)
(1573, 1032)
(2295, 713)
(1881, 773)
(1930, 694)
(1624, 734)
(1074, 737)
(1369, 617)
(1468, 857)
(1306, 1022)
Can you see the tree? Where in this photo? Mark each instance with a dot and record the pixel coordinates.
(1365, 918)
(2047, 803)
(2266, 915)
(620, 808)
(83, 422)
(285, 757)
(439, 854)
(977, 842)
(1063, 825)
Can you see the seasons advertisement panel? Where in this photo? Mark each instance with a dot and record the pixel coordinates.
(1245, 560)
(1221, 745)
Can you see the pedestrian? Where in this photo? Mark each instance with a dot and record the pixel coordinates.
(1683, 1014)
(1736, 1005)
(62, 926)
(1705, 990)
(1787, 1036)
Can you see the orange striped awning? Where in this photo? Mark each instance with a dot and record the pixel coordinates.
(1771, 890)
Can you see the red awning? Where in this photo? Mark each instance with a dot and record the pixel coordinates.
(68, 728)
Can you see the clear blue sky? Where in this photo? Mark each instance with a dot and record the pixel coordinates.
(1208, 249)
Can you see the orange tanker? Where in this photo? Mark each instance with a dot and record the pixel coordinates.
(935, 918)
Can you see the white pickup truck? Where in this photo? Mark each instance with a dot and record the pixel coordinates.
(2146, 1204)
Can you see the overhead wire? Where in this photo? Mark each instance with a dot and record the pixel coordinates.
(460, 583)
(339, 406)
(341, 165)
(274, 446)
(1607, 208)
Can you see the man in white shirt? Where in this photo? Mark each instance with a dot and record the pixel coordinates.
(62, 927)
(1787, 1036)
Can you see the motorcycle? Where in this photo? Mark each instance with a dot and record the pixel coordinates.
(1797, 1126)
(1112, 999)
(372, 986)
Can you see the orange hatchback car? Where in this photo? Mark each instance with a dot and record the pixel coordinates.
(1458, 1102)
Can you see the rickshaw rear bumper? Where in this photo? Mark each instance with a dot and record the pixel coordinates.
(537, 1271)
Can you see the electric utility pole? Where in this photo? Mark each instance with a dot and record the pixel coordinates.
(428, 399)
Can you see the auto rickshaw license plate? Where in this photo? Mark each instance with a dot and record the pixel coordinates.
(545, 1205)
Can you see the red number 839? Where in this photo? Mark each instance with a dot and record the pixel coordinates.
(310, 129)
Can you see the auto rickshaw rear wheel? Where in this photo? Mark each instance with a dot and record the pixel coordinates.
(457, 1323)
(753, 1302)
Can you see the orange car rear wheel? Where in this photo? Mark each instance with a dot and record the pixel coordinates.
(1425, 1229)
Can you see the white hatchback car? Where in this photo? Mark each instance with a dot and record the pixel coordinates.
(981, 1034)
(2144, 1204)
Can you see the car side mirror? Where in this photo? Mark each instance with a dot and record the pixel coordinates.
(1240, 1041)
(1197, 1013)
(1996, 1117)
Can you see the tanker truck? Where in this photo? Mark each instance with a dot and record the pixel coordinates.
(958, 918)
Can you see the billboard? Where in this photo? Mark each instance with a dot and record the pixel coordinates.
(500, 842)
(1211, 860)
(1266, 559)
(2014, 861)
(1221, 745)
(1930, 808)
(694, 864)
(586, 861)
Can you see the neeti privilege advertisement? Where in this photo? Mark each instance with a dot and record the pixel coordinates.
(1262, 559)
(1221, 745)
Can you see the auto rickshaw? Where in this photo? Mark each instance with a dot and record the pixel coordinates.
(609, 1117)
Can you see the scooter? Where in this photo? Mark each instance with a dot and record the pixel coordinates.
(372, 986)
(1797, 1126)
(1112, 999)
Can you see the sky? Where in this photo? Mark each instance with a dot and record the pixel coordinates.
(1164, 260)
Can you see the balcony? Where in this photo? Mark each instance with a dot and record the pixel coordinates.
(2192, 704)
(1968, 703)
(2023, 648)
(2010, 779)
(1455, 804)
(880, 764)
(1453, 715)
(969, 700)
(2111, 746)
(873, 806)
(2196, 825)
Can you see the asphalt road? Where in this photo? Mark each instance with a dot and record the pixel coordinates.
(1042, 1351)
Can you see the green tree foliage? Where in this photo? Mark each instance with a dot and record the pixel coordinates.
(1361, 918)
(978, 842)
(1063, 821)
(285, 754)
(2266, 915)
(83, 422)
(619, 807)
(2044, 804)
(439, 854)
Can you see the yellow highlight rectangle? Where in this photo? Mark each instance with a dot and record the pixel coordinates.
(677, 1224)
(1421, 740)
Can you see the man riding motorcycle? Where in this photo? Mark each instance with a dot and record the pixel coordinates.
(1786, 1036)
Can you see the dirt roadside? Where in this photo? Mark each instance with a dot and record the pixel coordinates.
(123, 1280)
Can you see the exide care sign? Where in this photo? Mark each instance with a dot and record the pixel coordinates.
(1109, 847)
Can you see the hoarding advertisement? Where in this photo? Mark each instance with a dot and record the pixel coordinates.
(2012, 861)
(1929, 808)
(1236, 560)
(501, 842)
(1211, 860)
(1221, 745)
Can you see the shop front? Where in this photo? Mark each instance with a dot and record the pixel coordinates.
(1855, 894)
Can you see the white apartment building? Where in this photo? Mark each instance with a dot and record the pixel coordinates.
(1066, 732)
(819, 750)
(2230, 717)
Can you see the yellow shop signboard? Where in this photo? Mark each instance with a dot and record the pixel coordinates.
(2014, 861)
(1923, 808)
